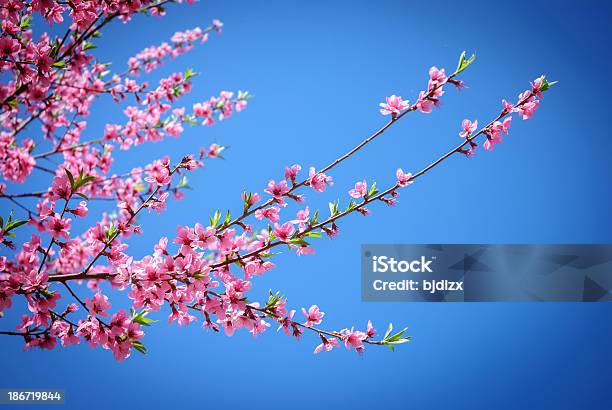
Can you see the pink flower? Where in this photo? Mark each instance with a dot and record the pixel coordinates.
(494, 136)
(424, 104)
(291, 172)
(370, 332)
(217, 25)
(536, 86)
(270, 213)
(354, 339)
(98, 304)
(327, 345)
(468, 128)
(60, 189)
(160, 177)
(283, 232)
(498, 127)
(8, 46)
(59, 227)
(81, 210)
(286, 323)
(319, 181)
(437, 74)
(302, 218)
(507, 106)
(394, 105)
(313, 316)
(360, 190)
(277, 190)
(402, 178)
(527, 108)
(205, 237)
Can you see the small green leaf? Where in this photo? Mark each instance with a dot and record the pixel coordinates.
(373, 191)
(313, 234)
(463, 63)
(214, 220)
(333, 207)
(139, 347)
(15, 224)
(389, 330)
(141, 318)
(88, 46)
(71, 179)
(298, 241)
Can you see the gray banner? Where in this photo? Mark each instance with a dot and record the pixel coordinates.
(487, 273)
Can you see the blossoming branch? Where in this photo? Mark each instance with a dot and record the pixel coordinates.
(206, 270)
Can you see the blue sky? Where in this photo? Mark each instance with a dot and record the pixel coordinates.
(318, 70)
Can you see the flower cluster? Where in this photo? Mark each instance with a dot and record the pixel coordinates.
(525, 107)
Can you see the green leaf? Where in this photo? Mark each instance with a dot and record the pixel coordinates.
(15, 224)
(139, 346)
(59, 64)
(333, 207)
(141, 318)
(315, 218)
(546, 84)
(214, 220)
(463, 63)
(313, 234)
(298, 241)
(25, 21)
(373, 191)
(70, 178)
(111, 232)
(88, 46)
(183, 182)
(190, 73)
(389, 330)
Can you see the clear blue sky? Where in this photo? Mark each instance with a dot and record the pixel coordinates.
(318, 70)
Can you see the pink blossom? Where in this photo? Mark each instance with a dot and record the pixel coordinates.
(81, 210)
(277, 190)
(205, 237)
(402, 178)
(98, 304)
(370, 332)
(507, 106)
(536, 86)
(270, 213)
(283, 232)
(327, 345)
(353, 339)
(360, 190)
(8, 46)
(437, 74)
(425, 104)
(468, 128)
(302, 218)
(160, 177)
(59, 227)
(393, 105)
(291, 172)
(318, 180)
(313, 315)
(503, 126)
(528, 107)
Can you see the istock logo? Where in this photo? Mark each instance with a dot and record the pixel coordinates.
(385, 264)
